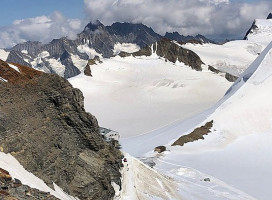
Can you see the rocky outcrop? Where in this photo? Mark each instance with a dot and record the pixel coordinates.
(160, 149)
(45, 127)
(197, 134)
(211, 68)
(14, 190)
(94, 61)
(269, 16)
(228, 76)
(171, 51)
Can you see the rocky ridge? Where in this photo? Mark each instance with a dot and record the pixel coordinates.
(171, 51)
(95, 37)
(188, 39)
(68, 58)
(43, 124)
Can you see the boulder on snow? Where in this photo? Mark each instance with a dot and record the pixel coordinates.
(160, 149)
(207, 179)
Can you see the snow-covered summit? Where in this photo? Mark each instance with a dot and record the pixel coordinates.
(260, 31)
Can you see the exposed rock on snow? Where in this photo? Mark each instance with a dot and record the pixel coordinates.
(197, 134)
(160, 149)
(171, 51)
(48, 131)
(94, 61)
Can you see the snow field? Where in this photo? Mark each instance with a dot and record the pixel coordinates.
(238, 150)
(136, 95)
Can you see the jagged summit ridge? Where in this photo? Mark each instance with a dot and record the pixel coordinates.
(68, 58)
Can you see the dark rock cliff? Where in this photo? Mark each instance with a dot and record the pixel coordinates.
(43, 124)
(171, 51)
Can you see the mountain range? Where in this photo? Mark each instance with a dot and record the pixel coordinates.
(68, 58)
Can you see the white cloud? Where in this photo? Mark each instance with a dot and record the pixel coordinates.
(208, 17)
(217, 18)
(42, 28)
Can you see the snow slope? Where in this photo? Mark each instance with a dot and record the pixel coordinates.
(262, 34)
(123, 90)
(16, 170)
(232, 57)
(140, 182)
(238, 150)
(3, 54)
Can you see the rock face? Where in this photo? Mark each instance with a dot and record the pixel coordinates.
(95, 38)
(197, 134)
(171, 51)
(43, 124)
(184, 39)
(269, 16)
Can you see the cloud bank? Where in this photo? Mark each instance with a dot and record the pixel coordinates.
(217, 18)
(42, 28)
(214, 18)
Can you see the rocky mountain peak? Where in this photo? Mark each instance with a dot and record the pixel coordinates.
(269, 16)
(93, 26)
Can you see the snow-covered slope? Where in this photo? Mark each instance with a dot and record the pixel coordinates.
(140, 182)
(232, 57)
(3, 54)
(123, 90)
(16, 170)
(238, 149)
(260, 32)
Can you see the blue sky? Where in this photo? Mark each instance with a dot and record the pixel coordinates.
(21, 9)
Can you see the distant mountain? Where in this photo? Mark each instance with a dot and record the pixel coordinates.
(68, 58)
(193, 39)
